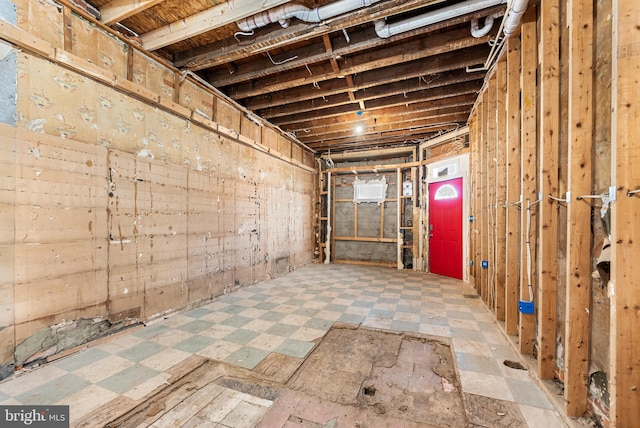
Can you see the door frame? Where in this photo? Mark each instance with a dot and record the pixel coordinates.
(462, 171)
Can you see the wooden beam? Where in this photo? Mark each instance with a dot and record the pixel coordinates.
(549, 184)
(578, 253)
(484, 178)
(369, 74)
(337, 86)
(625, 283)
(501, 190)
(400, 126)
(399, 217)
(229, 50)
(207, 20)
(376, 122)
(490, 188)
(358, 61)
(67, 29)
(117, 10)
(386, 115)
(473, 201)
(528, 154)
(279, 116)
(512, 255)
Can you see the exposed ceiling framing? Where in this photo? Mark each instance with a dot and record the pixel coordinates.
(320, 81)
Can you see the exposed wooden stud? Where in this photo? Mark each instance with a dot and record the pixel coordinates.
(490, 188)
(331, 242)
(482, 147)
(578, 253)
(625, 283)
(130, 54)
(399, 217)
(473, 241)
(382, 220)
(529, 171)
(355, 220)
(548, 210)
(68, 31)
(415, 222)
(500, 190)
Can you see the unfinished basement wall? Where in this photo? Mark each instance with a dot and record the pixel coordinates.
(562, 126)
(130, 191)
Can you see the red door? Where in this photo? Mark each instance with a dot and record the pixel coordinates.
(445, 228)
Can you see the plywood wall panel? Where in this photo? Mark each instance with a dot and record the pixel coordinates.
(7, 237)
(96, 46)
(270, 138)
(226, 115)
(159, 243)
(196, 98)
(126, 291)
(284, 146)
(60, 207)
(250, 129)
(42, 19)
(153, 75)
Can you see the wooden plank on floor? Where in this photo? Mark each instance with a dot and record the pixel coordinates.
(625, 283)
(512, 254)
(529, 173)
(578, 253)
(500, 190)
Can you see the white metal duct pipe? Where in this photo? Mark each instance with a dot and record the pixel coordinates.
(512, 21)
(478, 32)
(282, 14)
(385, 30)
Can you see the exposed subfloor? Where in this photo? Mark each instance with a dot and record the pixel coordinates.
(267, 355)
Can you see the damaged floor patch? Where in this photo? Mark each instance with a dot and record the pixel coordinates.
(356, 376)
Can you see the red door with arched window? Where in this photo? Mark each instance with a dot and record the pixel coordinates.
(445, 228)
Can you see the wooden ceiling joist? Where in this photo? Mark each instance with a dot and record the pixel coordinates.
(264, 39)
(386, 115)
(207, 20)
(337, 86)
(118, 10)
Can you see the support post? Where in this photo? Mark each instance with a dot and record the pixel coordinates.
(624, 286)
(578, 254)
(529, 173)
(500, 190)
(512, 255)
(548, 211)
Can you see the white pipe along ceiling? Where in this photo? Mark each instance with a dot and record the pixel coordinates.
(385, 30)
(512, 21)
(284, 13)
(477, 31)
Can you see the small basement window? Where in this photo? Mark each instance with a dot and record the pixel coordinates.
(370, 191)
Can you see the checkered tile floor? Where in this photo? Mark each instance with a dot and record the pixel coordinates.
(286, 315)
